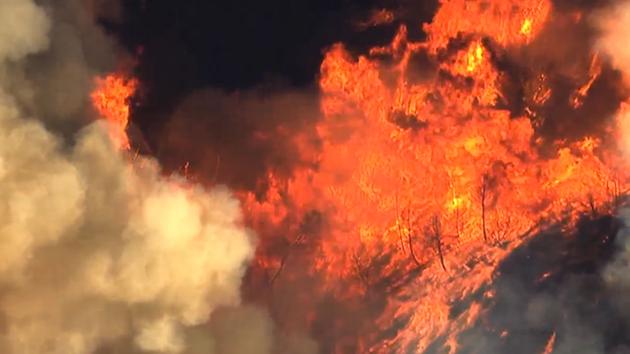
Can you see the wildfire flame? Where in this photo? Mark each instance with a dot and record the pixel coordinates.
(111, 100)
(432, 175)
(429, 180)
(550, 344)
(508, 22)
(526, 27)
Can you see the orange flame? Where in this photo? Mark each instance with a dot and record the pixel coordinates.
(427, 174)
(111, 100)
(526, 27)
(475, 57)
(509, 22)
(431, 174)
(550, 344)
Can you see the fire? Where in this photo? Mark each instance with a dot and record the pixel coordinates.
(111, 100)
(432, 175)
(526, 27)
(509, 22)
(622, 128)
(474, 57)
(428, 183)
(550, 344)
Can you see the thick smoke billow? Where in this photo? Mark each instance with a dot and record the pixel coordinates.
(616, 274)
(52, 84)
(96, 250)
(100, 252)
(613, 24)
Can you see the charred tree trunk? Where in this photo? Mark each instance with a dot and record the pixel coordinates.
(615, 193)
(437, 239)
(412, 253)
(284, 259)
(483, 194)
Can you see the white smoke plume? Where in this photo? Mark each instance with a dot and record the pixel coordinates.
(99, 252)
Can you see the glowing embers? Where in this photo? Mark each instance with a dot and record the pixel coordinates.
(474, 57)
(551, 343)
(111, 99)
(472, 62)
(526, 27)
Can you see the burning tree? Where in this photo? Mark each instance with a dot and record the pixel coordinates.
(434, 236)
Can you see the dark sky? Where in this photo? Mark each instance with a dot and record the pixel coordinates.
(238, 44)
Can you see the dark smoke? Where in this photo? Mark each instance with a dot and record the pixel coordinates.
(235, 138)
(551, 284)
(566, 65)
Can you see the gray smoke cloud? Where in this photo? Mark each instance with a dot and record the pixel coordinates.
(101, 252)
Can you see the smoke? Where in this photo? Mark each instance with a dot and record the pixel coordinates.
(95, 249)
(613, 24)
(237, 138)
(550, 292)
(577, 294)
(51, 84)
(191, 46)
(17, 38)
(616, 273)
(101, 252)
